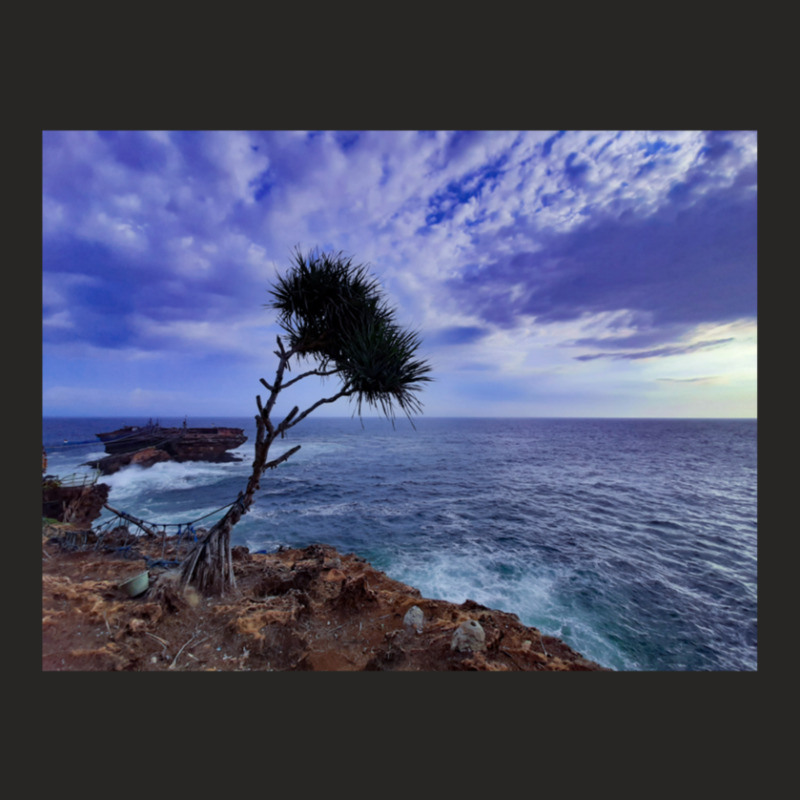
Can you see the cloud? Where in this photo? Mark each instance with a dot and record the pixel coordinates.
(676, 267)
(660, 352)
(504, 249)
(707, 379)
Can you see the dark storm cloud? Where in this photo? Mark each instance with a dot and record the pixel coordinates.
(96, 304)
(673, 270)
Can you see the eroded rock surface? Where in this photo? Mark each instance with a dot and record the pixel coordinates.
(309, 609)
(469, 637)
(79, 505)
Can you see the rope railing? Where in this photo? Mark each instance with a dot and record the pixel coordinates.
(66, 443)
(77, 479)
(150, 527)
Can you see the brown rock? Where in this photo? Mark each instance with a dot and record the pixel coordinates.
(151, 444)
(148, 457)
(79, 505)
(289, 612)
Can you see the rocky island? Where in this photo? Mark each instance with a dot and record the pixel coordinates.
(150, 444)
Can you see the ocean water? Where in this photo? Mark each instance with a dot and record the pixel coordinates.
(635, 541)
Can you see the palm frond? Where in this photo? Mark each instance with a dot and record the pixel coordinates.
(380, 366)
(333, 311)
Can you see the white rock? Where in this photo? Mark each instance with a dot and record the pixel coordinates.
(414, 618)
(469, 635)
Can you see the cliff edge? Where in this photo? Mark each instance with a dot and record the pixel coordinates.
(308, 609)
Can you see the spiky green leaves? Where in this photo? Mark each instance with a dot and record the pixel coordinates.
(379, 364)
(333, 311)
(320, 299)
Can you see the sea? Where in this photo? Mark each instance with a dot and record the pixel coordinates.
(635, 541)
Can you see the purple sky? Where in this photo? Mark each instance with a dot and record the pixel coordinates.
(549, 273)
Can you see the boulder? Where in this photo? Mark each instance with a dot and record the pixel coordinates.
(469, 636)
(414, 619)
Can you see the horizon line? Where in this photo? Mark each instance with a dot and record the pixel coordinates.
(376, 417)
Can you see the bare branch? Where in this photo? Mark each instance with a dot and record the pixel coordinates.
(320, 372)
(175, 660)
(285, 424)
(274, 463)
(284, 360)
(346, 392)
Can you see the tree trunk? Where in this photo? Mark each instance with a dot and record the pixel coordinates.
(209, 565)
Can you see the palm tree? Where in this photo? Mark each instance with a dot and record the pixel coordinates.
(334, 316)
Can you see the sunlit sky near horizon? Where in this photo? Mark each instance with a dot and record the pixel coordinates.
(548, 273)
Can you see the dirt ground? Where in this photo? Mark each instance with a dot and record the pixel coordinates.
(309, 609)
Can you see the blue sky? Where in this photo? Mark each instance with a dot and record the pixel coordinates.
(548, 273)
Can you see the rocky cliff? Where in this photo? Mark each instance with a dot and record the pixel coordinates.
(311, 609)
(79, 505)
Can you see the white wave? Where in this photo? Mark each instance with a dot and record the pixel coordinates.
(527, 592)
(329, 509)
(458, 577)
(135, 480)
(94, 455)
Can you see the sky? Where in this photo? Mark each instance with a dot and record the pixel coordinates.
(547, 273)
